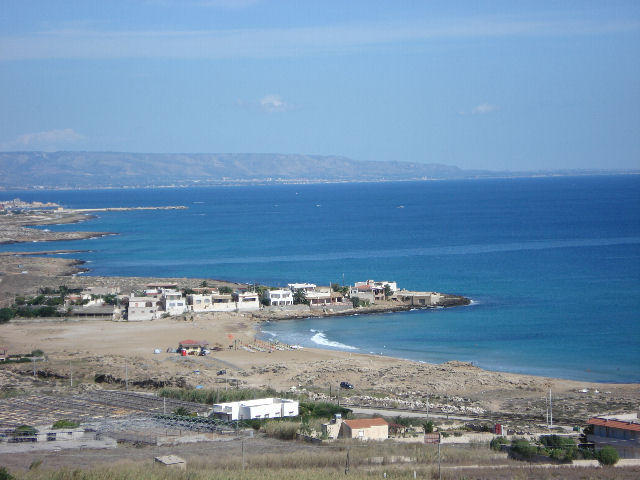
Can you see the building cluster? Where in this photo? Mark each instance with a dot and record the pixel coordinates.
(17, 204)
(159, 300)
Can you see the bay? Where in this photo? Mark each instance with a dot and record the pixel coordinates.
(552, 264)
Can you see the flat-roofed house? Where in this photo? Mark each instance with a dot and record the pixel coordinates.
(305, 287)
(365, 429)
(259, 408)
(173, 302)
(318, 298)
(418, 299)
(363, 292)
(141, 309)
(621, 432)
(247, 301)
(94, 312)
(279, 298)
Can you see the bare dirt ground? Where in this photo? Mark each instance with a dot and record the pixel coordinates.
(91, 348)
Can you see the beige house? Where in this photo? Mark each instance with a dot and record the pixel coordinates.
(418, 299)
(365, 429)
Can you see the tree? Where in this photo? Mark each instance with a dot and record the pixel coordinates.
(6, 314)
(300, 297)
(607, 455)
(5, 475)
(387, 291)
(225, 290)
(204, 284)
(428, 426)
(355, 301)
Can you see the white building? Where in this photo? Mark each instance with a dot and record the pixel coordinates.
(173, 302)
(305, 287)
(141, 308)
(279, 298)
(247, 301)
(252, 409)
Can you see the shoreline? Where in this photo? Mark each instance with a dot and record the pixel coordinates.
(54, 271)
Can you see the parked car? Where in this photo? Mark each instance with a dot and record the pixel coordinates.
(222, 372)
(346, 385)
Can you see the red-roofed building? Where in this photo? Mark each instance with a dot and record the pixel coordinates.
(365, 429)
(621, 432)
(193, 347)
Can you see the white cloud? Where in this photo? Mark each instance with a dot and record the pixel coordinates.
(484, 108)
(47, 140)
(274, 103)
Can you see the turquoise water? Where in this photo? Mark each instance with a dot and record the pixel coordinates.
(552, 264)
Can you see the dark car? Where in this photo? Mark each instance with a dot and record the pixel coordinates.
(346, 385)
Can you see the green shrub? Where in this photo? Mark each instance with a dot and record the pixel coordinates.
(496, 443)
(524, 448)
(557, 441)
(182, 411)
(322, 410)
(65, 424)
(5, 475)
(428, 426)
(607, 456)
(6, 314)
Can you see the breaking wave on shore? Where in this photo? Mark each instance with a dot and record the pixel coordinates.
(320, 338)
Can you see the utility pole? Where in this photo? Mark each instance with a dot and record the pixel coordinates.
(550, 410)
(243, 454)
(126, 375)
(33, 360)
(346, 467)
(70, 375)
(427, 407)
(439, 472)
(164, 405)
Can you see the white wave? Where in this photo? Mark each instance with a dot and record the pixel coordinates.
(268, 332)
(321, 339)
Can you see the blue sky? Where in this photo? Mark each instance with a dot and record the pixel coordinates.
(502, 85)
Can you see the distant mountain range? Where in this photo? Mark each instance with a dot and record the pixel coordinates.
(112, 169)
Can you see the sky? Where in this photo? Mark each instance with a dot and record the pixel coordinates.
(498, 85)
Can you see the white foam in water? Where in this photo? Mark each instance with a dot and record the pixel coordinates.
(321, 339)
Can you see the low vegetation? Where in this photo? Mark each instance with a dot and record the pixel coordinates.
(65, 424)
(211, 396)
(607, 456)
(556, 447)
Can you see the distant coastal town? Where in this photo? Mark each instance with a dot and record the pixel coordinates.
(161, 300)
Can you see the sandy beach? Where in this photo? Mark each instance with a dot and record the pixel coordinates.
(116, 349)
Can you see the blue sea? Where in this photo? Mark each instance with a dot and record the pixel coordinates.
(552, 264)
